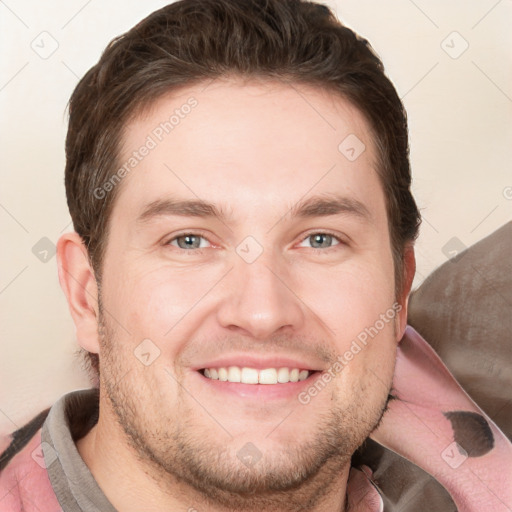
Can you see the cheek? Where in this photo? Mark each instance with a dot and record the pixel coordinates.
(147, 314)
(365, 373)
(358, 305)
(156, 304)
(349, 298)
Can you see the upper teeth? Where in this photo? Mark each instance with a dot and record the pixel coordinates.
(254, 376)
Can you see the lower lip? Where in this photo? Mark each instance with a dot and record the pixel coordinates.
(264, 391)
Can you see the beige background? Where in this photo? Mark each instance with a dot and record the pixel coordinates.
(459, 106)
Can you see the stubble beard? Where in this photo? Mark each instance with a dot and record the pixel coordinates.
(180, 452)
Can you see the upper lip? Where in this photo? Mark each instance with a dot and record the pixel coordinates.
(260, 363)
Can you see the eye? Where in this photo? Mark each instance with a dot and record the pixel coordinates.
(188, 241)
(322, 240)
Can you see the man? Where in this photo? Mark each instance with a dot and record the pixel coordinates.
(239, 183)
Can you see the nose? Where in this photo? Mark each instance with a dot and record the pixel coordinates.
(259, 299)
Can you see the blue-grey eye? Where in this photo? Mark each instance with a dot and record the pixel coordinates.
(322, 240)
(188, 241)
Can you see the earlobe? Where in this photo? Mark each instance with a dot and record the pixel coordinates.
(409, 272)
(78, 283)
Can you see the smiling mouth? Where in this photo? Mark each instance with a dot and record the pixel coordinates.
(247, 375)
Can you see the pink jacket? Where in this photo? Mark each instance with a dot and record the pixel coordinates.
(24, 483)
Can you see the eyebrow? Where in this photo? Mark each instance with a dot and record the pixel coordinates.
(182, 208)
(323, 206)
(316, 206)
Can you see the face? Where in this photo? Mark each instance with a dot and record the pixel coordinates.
(282, 261)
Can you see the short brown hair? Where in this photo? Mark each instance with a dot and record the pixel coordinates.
(191, 41)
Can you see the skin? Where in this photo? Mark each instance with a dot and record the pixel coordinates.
(165, 439)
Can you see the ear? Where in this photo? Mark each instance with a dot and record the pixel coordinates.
(409, 271)
(78, 282)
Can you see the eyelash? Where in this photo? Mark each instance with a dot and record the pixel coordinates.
(200, 251)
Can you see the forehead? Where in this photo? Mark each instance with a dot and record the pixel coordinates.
(247, 144)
